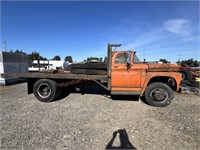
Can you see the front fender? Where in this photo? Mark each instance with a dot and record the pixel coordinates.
(156, 75)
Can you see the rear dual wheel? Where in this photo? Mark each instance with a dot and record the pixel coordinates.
(159, 94)
(46, 90)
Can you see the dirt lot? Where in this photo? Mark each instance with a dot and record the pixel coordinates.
(89, 121)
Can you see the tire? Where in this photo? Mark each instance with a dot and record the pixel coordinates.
(58, 93)
(187, 75)
(95, 72)
(77, 66)
(159, 94)
(46, 90)
(78, 71)
(89, 71)
(102, 66)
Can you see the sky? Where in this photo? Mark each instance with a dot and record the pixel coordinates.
(154, 29)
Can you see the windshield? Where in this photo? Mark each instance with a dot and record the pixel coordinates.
(136, 59)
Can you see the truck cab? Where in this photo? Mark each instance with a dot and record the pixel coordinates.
(129, 76)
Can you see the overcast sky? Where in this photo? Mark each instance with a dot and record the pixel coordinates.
(83, 29)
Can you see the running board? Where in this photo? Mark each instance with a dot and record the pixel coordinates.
(125, 93)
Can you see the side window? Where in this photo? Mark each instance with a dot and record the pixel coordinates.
(121, 58)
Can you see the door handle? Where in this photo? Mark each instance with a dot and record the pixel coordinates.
(115, 67)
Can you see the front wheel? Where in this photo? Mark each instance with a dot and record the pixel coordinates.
(159, 94)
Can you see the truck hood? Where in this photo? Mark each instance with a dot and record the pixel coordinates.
(163, 67)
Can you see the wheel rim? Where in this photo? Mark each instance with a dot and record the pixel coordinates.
(159, 94)
(44, 90)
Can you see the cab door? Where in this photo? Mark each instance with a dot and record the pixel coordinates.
(124, 77)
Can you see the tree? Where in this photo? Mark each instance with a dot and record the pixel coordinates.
(56, 57)
(18, 52)
(189, 62)
(34, 56)
(69, 58)
(164, 61)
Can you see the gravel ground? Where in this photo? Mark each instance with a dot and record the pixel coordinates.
(90, 121)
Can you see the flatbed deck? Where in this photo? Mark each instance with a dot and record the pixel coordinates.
(54, 76)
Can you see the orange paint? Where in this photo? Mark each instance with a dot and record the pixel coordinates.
(136, 76)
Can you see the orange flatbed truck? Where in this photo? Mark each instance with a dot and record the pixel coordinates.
(125, 75)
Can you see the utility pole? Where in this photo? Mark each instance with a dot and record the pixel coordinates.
(179, 59)
(5, 46)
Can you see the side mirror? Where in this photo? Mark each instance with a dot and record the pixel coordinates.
(129, 58)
